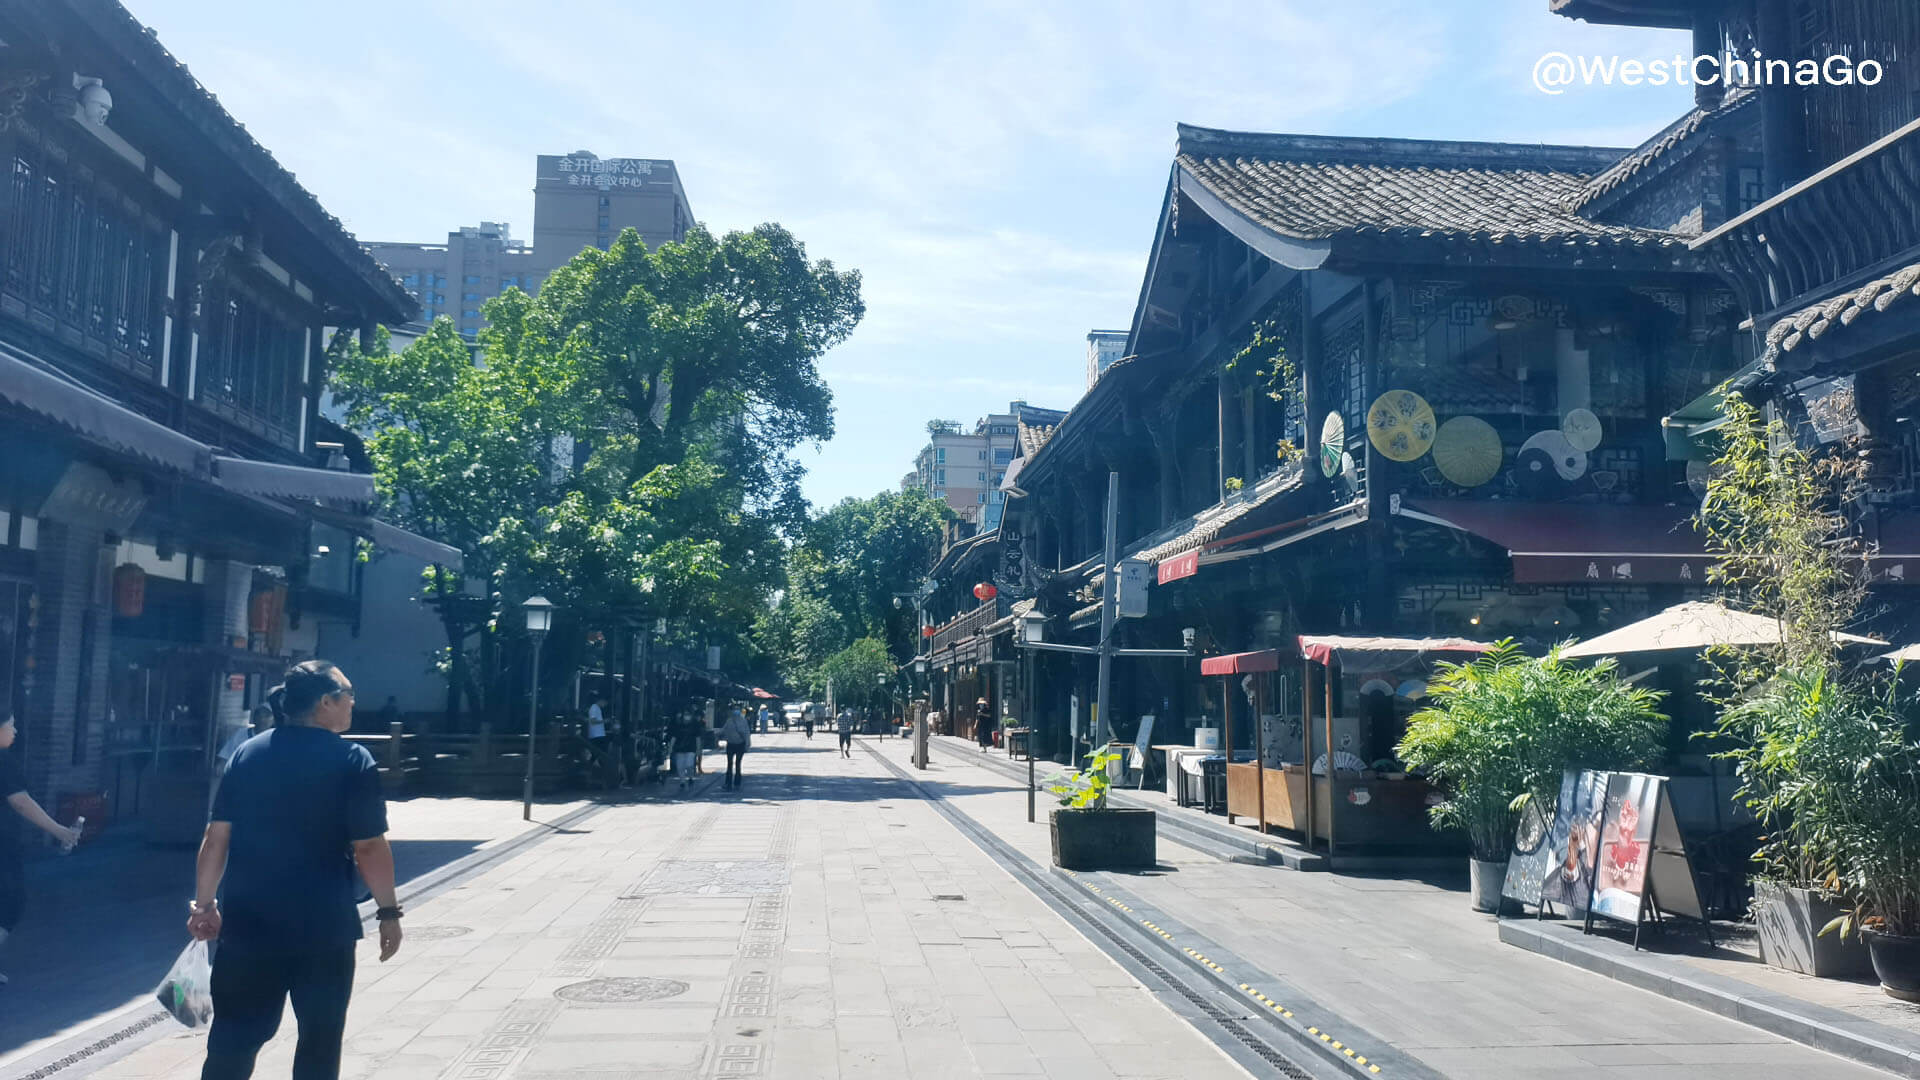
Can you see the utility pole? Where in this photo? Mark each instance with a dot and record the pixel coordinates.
(1109, 607)
(1030, 636)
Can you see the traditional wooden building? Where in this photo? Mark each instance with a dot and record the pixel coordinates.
(1406, 386)
(1822, 253)
(175, 515)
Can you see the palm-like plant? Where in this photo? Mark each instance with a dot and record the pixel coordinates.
(1503, 727)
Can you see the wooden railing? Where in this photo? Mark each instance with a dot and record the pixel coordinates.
(964, 626)
(1855, 219)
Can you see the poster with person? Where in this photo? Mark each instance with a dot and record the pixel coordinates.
(1569, 878)
(1626, 845)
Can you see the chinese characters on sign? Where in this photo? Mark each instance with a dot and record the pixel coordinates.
(605, 173)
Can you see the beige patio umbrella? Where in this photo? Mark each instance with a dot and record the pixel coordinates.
(1692, 626)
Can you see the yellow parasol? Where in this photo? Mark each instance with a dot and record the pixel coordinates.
(1467, 452)
(1400, 424)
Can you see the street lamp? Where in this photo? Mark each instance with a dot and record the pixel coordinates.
(539, 620)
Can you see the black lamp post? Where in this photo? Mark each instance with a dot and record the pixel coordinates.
(539, 620)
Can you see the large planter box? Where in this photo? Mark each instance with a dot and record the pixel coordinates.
(1788, 921)
(1110, 839)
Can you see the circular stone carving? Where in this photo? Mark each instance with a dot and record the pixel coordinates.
(621, 991)
(437, 932)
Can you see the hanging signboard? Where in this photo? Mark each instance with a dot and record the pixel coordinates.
(1184, 565)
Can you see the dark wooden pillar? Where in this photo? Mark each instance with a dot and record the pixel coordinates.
(1783, 129)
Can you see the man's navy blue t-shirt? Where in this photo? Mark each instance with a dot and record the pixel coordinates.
(298, 797)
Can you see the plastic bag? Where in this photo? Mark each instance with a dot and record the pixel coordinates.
(187, 991)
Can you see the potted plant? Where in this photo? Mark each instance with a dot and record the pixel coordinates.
(1090, 835)
(1795, 742)
(1869, 822)
(1501, 729)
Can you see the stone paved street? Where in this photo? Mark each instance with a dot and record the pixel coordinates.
(103, 924)
(826, 922)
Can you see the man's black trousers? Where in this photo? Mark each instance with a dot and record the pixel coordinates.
(251, 986)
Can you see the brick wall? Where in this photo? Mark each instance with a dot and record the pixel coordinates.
(69, 585)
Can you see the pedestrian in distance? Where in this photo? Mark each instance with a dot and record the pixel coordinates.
(298, 809)
(807, 717)
(763, 723)
(734, 734)
(598, 744)
(983, 724)
(13, 881)
(686, 747)
(848, 720)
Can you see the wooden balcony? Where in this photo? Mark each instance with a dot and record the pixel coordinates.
(1855, 220)
(964, 626)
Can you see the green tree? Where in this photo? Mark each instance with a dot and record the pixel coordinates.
(624, 443)
(856, 673)
(1502, 728)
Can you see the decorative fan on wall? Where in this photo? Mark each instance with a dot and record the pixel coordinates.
(1400, 425)
(1467, 451)
(1333, 443)
(1582, 429)
(1568, 463)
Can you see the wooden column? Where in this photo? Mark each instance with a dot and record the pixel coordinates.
(1226, 734)
(1260, 750)
(1306, 738)
(1333, 813)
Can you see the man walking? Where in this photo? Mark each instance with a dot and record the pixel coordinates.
(847, 722)
(983, 724)
(13, 874)
(734, 734)
(295, 801)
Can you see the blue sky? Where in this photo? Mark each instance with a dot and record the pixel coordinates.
(993, 168)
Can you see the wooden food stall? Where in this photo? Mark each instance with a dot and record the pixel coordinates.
(1347, 804)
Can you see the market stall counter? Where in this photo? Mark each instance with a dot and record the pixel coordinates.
(1358, 805)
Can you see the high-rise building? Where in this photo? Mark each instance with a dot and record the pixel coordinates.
(1103, 348)
(579, 201)
(965, 467)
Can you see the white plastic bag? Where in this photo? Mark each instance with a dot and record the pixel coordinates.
(187, 991)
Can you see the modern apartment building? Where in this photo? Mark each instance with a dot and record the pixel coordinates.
(579, 201)
(1103, 348)
(965, 467)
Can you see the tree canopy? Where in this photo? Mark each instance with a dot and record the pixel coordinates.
(622, 441)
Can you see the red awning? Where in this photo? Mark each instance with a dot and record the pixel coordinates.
(1241, 663)
(1371, 653)
(1579, 543)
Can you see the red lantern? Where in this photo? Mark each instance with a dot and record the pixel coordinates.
(129, 591)
(984, 591)
(926, 631)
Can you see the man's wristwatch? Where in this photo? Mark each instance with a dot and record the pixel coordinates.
(197, 908)
(386, 913)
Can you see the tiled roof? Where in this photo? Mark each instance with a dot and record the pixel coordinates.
(1672, 136)
(1816, 321)
(1207, 525)
(1034, 436)
(1316, 188)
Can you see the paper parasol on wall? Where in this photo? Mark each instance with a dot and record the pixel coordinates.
(1333, 443)
(1582, 429)
(1400, 424)
(1466, 450)
(1570, 463)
